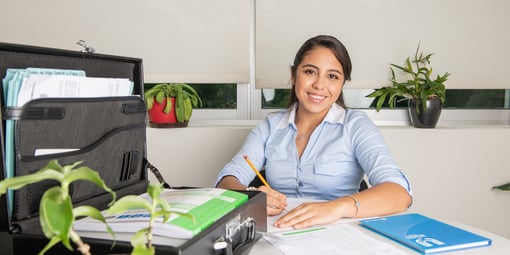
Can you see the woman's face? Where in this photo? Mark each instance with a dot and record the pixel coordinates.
(318, 81)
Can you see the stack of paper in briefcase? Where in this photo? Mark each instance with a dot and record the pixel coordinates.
(79, 106)
(202, 207)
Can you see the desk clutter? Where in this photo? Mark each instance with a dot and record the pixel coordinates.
(415, 231)
(418, 232)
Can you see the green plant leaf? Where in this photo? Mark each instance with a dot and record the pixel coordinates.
(154, 190)
(144, 250)
(409, 67)
(21, 181)
(376, 93)
(195, 101)
(52, 171)
(502, 187)
(168, 105)
(188, 109)
(139, 243)
(67, 168)
(149, 101)
(129, 202)
(55, 202)
(160, 96)
(380, 101)
(53, 164)
(179, 105)
(87, 174)
(53, 241)
(94, 213)
(86, 210)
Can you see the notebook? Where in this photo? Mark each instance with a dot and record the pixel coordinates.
(425, 234)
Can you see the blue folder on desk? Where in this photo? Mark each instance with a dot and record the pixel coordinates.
(425, 234)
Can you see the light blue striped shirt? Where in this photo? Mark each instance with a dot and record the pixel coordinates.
(341, 150)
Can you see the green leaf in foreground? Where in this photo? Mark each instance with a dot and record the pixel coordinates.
(502, 187)
(56, 213)
(52, 204)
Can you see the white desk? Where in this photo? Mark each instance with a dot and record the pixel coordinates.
(500, 245)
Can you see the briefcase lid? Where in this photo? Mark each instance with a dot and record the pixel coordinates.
(95, 65)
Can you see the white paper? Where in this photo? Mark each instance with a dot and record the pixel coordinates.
(40, 152)
(40, 86)
(291, 204)
(332, 239)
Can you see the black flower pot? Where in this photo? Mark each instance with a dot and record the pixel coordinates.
(425, 118)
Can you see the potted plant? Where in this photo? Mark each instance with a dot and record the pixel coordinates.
(56, 201)
(425, 95)
(171, 104)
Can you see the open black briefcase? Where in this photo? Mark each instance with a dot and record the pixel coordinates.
(108, 135)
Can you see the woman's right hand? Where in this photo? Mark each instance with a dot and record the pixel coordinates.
(276, 201)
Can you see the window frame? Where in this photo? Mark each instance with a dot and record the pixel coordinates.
(249, 110)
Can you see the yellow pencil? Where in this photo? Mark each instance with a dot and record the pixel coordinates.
(256, 171)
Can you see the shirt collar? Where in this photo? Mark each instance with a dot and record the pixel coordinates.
(336, 114)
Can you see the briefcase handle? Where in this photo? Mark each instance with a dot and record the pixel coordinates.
(156, 173)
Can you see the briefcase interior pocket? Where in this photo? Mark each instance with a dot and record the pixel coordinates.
(106, 134)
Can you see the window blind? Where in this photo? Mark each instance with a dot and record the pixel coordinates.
(469, 38)
(199, 41)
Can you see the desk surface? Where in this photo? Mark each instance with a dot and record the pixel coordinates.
(500, 245)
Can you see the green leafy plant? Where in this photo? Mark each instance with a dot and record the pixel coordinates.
(420, 85)
(57, 201)
(156, 207)
(185, 98)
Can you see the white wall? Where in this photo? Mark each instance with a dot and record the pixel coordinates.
(452, 169)
(193, 156)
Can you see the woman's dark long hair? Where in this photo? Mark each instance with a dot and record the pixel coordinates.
(336, 47)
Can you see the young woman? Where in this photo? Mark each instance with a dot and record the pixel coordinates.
(319, 149)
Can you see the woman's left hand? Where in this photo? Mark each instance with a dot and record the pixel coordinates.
(308, 214)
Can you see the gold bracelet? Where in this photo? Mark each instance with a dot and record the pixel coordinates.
(356, 203)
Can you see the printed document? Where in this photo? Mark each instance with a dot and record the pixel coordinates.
(40, 86)
(340, 238)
